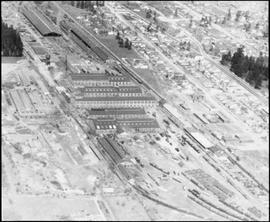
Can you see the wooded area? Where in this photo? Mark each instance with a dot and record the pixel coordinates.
(11, 41)
(253, 70)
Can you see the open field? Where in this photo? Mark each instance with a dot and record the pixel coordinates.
(50, 208)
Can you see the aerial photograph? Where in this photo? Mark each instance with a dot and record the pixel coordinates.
(134, 111)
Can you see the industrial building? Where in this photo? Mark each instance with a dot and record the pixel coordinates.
(116, 102)
(121, 113)
(110, 91)
(110, 126)
(40, 21)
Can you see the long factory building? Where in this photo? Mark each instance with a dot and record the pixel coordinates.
(115, 102)
(110, 91)
(40, 21)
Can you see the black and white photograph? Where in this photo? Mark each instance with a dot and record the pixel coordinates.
(135, 111)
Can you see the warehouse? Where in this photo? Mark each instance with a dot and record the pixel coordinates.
(115, 102)
(41, 23)
(120, 113)
(102, 91)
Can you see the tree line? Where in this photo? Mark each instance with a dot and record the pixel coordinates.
(253, 70)
(11, 41)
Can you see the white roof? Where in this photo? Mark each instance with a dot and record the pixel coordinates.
(201, 139)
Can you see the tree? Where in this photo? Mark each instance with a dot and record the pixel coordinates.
(238, 15)
(117, 35)
(148, 14)
(176, 12)
(257, 26)
(247, 27)
(246, 15)
(82, 5)
(188, 46)
(190, 22)
(229, 56)
(229, 15)
(210, 20)
(11, 41)
(216, 19)
(223, 59)
(148, 27)
(258, 82)
(121, 42)
(226, 58)
(129, 46)
(126, 43)
(224, 20)
(237, 62)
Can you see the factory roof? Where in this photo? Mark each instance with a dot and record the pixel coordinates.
(116, 112)
(103, 124)
(139, 123)
(123, 89)
(39, 20)
(128, 98)
(107, 123)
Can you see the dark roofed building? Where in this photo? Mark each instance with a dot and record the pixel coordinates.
(41, 22)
